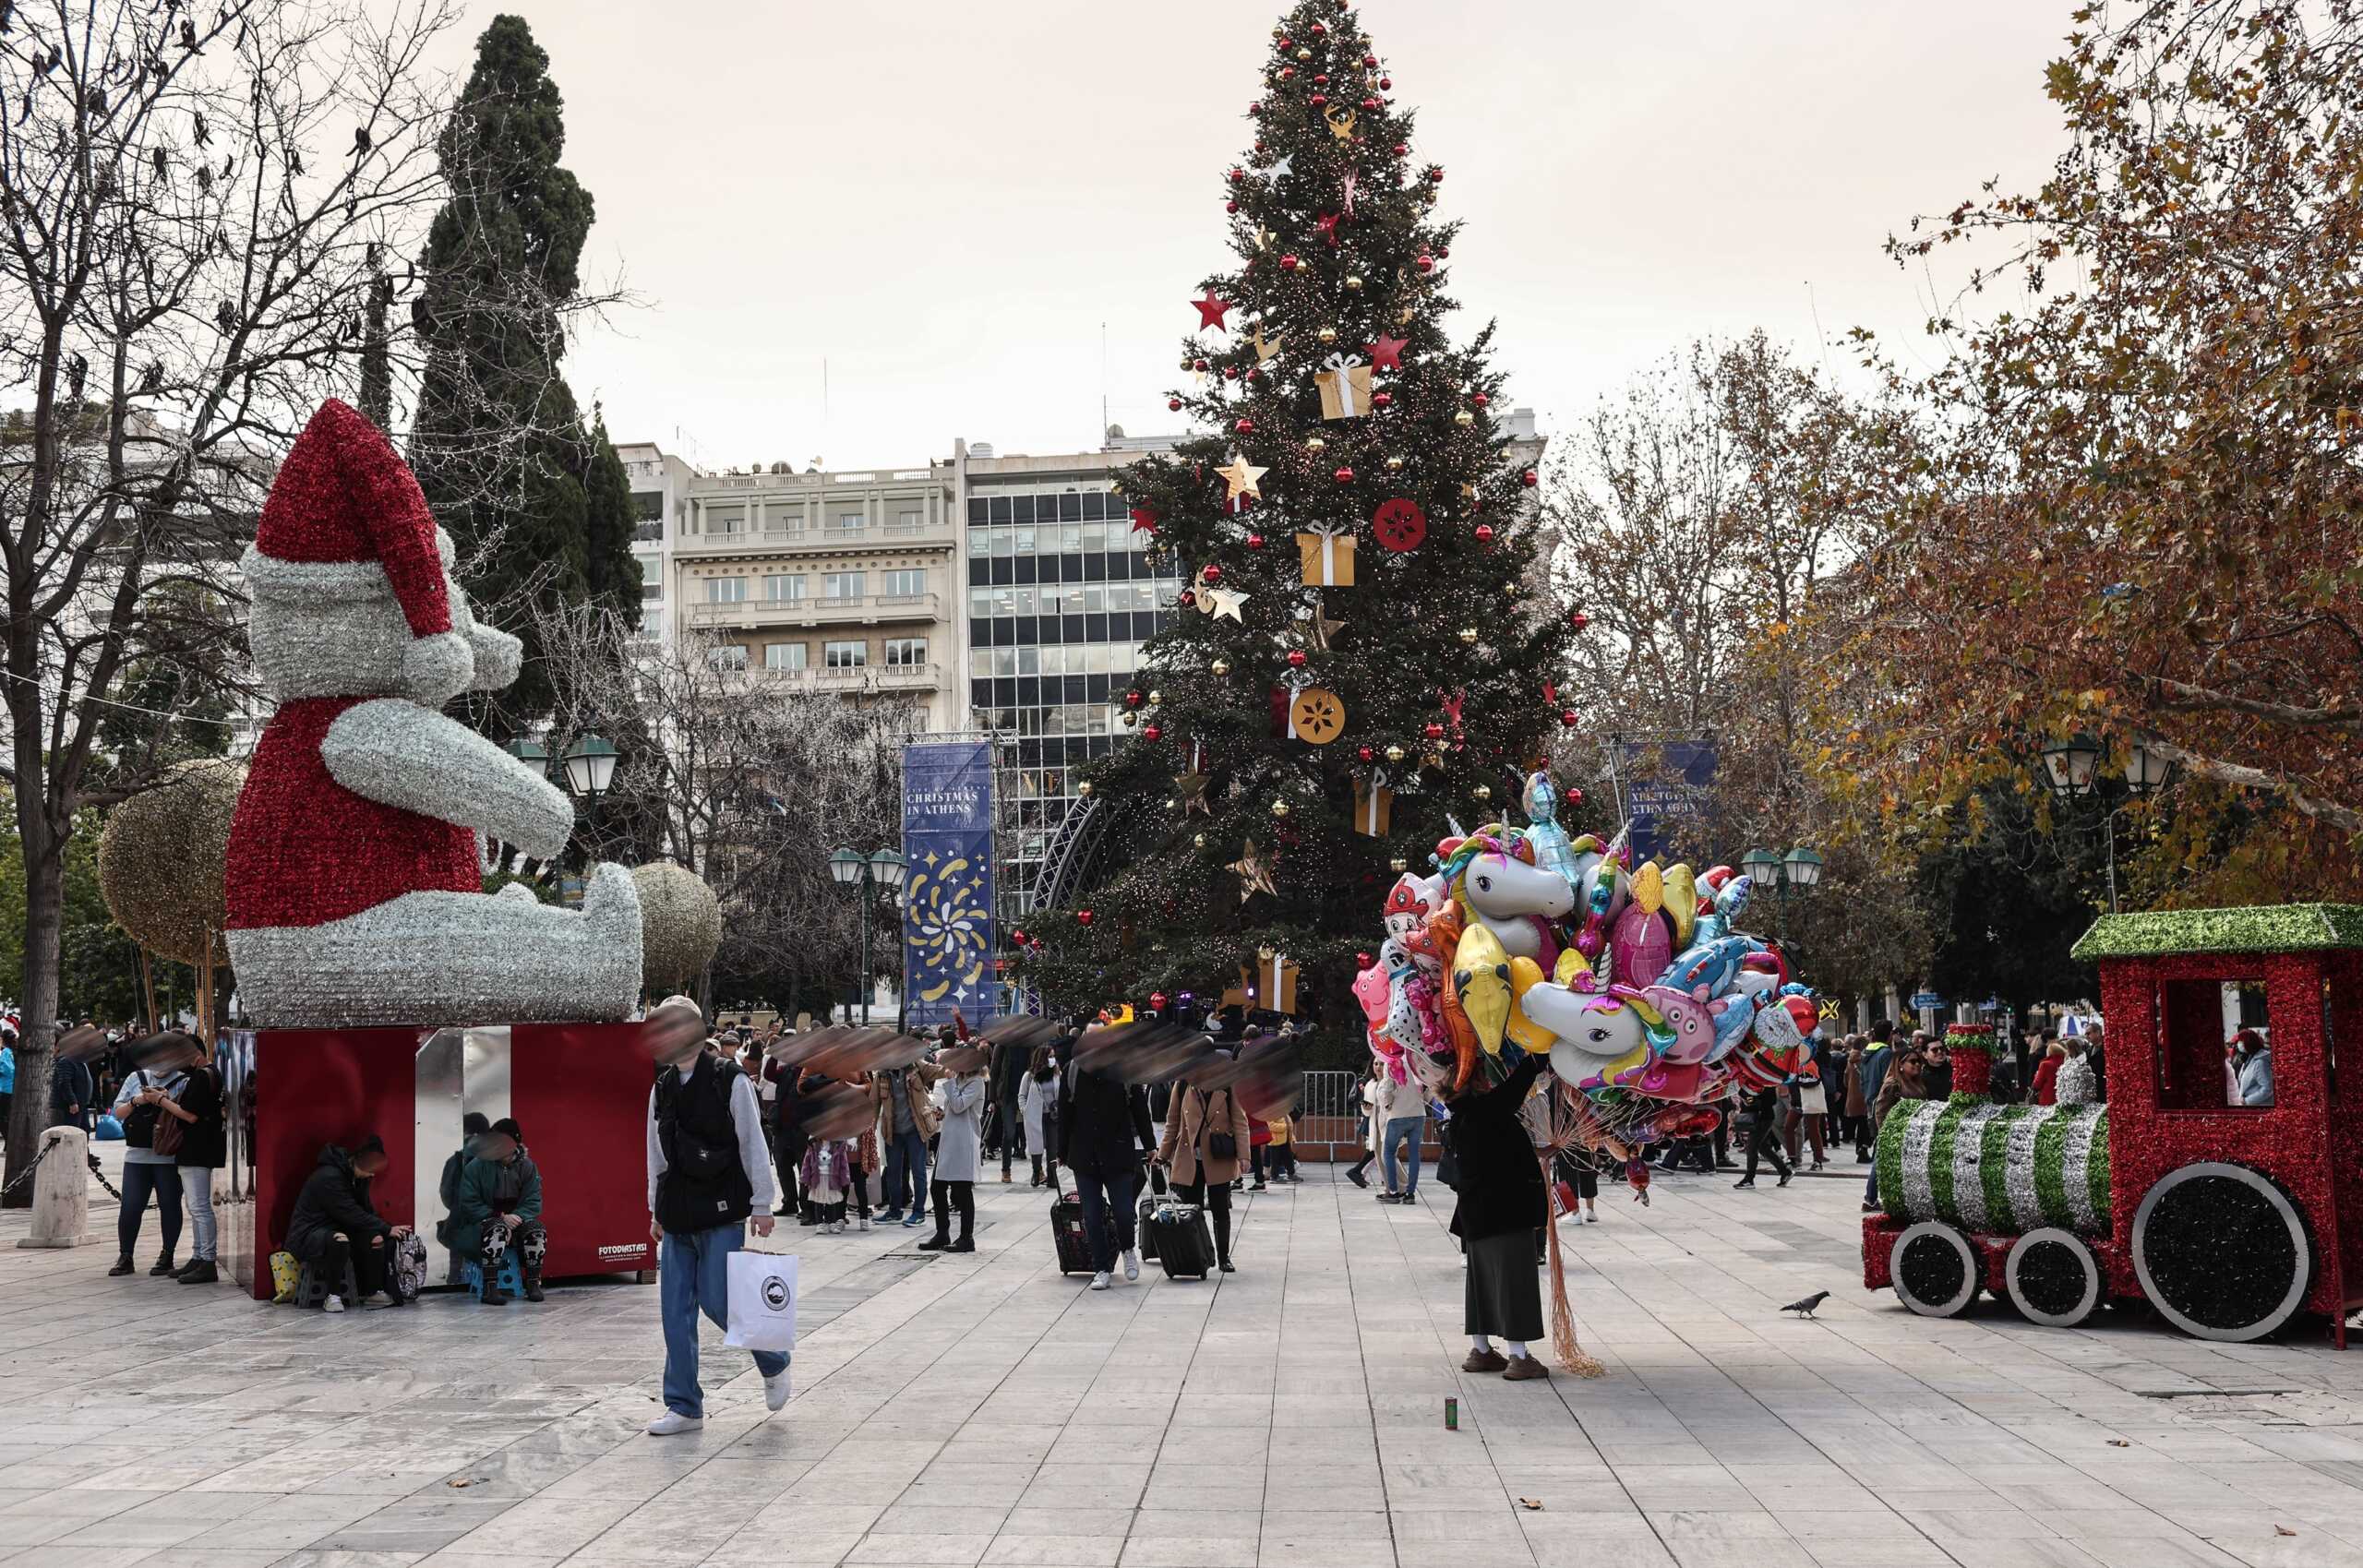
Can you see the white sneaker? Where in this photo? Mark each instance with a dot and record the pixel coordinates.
(376, 1300)
(1131, 1266)
(1099, 1282)
(776, 1390)
(672, 1422)
(865, 1222)
(333, 1304)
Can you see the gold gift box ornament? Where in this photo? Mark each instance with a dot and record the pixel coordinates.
(1271, 983)
(1374, 809)
(1327, 556)
(1345, 387)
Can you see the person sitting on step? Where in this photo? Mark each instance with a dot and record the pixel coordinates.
(334, 1226)
(499, 1205)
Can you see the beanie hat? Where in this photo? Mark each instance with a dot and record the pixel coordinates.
(346, 519)
(474, 1124)
(507, 1126)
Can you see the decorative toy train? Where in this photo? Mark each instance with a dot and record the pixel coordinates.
(2224, 1218)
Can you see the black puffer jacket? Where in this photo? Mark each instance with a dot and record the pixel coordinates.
(334, 1198)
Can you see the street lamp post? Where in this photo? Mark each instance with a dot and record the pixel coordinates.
(2071, 768)
(850, 867)
(1801, 868)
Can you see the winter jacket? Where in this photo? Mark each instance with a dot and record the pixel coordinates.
(70, 1084)
(1103, 1124)
(2046, 1081)
(917, 1080)
(1498, 1178)
(204, 1142)
(334, 1200)
(1034, 1096)
(960, 1136)
(1195, 1114)
(1889, 1093)
(447, 1187)
(1876, 1059)
(511, 1186)
(2255, 1079)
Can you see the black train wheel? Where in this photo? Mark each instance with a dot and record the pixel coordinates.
(1934, 1269)
(2222, 1251)
(2052, 1277)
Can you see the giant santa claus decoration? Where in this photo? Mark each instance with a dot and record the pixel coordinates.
(354, 864)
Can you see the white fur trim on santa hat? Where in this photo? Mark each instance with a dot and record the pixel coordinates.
(327, 580)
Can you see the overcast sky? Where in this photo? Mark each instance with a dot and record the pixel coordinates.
(947, 200)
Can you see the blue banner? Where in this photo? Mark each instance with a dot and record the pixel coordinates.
(948, 890)
(1666, 786)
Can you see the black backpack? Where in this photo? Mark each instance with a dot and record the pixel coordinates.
(140, 1127)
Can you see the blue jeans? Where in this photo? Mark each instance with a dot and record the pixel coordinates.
(1108, 1214)
(906, 1173)
(1400, 1130)
(694, 1276)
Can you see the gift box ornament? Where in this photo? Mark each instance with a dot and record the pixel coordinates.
(1327, 556)
(1271, 983)
(1345, 387)
(1374, 809)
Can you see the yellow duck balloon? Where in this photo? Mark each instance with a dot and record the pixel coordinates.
(1481, 972)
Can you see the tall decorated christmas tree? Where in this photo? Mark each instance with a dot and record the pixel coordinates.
(1353, 659)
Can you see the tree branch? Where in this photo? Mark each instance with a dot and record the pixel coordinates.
(2341, 817)
(2187, 699)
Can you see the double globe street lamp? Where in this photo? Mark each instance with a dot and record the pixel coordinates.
(1801, 868)
(584, 770)
(2072, 769)
(851, 867)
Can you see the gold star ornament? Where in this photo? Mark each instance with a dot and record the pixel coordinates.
(1255, 876)
(1243, 478)
(1190, 789)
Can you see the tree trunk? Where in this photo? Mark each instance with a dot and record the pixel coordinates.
(44, 901)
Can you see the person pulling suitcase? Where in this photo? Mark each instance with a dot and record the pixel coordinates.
(1205, 1137)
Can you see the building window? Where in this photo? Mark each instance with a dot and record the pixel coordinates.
(909, 522)
(648, 506)
(784, 588)
(841, 587)
(730, 656)
(785, 519)
(648, 532)
(725, 519)
(907, 583)
(725, 590)
(784, 656)
(902, 651)
(846, 656)
(847, 522)
(651, 592)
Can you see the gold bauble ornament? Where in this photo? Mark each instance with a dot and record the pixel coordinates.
(1464, 419)
(1221, 667)
(1403, 316)
(1155, 697)
(161, 861)
(1353, 282)
(1279, 808)
(1173, 804)
(1432, 760)
(1328, 335)
(1395, 754)
(1130, 718)
(1394, 466)
(1315, 445)
(1084, 789)
(1468, 634)
(1199, 842)
(1303, 55)
(1484, 792)
(680, 924)
(1398, 865)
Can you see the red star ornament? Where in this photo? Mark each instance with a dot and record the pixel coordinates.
(1144, 521)
(1387, 353)
(1211, 309)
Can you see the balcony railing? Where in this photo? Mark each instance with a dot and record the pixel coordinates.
(828, 535)
(858, 678)
(853, 608)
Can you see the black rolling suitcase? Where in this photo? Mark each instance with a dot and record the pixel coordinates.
(1156, 1200)
(1185, 1247)
(1075, 1241)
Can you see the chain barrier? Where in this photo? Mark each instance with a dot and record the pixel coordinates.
(47, 1145)
(100, 1176)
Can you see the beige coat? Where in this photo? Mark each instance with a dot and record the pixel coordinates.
(915, 1084)
(1184, 1148)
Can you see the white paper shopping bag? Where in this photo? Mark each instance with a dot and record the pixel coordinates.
(762, 1302)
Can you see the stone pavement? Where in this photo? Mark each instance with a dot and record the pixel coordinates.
(983, 1410)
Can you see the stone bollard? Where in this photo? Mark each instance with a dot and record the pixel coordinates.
(61, 1191)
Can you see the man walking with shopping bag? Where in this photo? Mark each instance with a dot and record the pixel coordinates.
(707, 1174)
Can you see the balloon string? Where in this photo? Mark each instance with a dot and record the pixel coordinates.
(1572, 1356)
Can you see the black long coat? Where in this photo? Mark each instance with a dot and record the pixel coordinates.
(1103, 1123)
(1499, 1179)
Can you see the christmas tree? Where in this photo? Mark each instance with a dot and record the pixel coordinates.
(1353, 660)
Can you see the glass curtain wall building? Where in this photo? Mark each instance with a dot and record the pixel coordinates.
(1060, 597)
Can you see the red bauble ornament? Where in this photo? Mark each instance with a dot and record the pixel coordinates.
(1185, 599)
(1436, 173)
(1370, 61)
(1580, 620)
(1133, 698)
(1365, 753)
(1481, 400)
(1246, 427)
(1018, 936)
(1231, 372)
(1157, 1001)
(1344, 476)
(1230, 207)
(1382, 400)
(1318, 98)
(1401, 148)
(1386, 84)
(1256, 107)
(1319, 30)
(1083, 916)
(1529, 479)
(1363, 961)
(1432, 730)
(1197, 365)
(1485, 533)
(1569, 717)
(1213, 574)
(1426, 263)
(1371, 105)
(1237, 174)
(1287, 44)
(1288, 262)
(1173, 404)
(1288, 73)
(1296, 658)
(1255, 541)
(1321, 80)
(1150, 732)
(1575, 795)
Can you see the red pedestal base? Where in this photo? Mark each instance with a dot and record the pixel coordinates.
(579, 1092)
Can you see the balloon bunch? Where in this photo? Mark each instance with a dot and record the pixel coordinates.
(1649, 1003)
